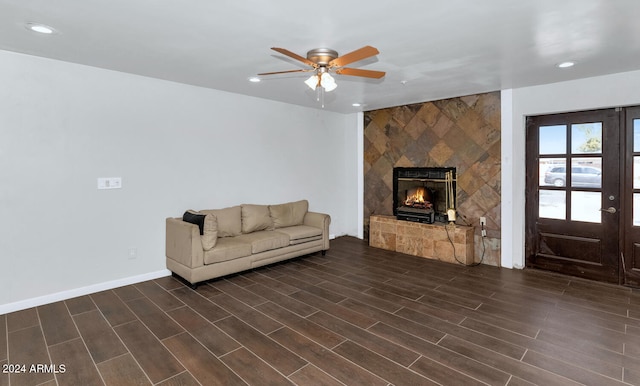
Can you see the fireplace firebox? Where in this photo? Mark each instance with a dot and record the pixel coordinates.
(424, 194)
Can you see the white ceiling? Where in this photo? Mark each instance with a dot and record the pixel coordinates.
(429, 49)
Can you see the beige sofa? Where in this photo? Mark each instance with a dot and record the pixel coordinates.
(214, 243)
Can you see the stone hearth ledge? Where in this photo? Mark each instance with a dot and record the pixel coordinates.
(424, 240)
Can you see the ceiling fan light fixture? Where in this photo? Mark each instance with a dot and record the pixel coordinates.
(327, 82)
(312, 82)
(323, 79)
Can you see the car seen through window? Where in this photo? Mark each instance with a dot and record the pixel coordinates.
(581, 176)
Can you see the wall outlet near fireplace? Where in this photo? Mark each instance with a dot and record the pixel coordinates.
(483, 223)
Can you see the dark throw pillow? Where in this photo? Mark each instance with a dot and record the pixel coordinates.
(195, 218)
(208, 225)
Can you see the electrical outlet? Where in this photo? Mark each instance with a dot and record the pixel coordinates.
(483, 223)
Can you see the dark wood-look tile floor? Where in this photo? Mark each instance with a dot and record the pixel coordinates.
(357, 316)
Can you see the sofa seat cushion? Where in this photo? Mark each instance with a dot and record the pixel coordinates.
(301, 233)
(264, 240)
(227, 248)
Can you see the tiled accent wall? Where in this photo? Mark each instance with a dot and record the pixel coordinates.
(459, 132)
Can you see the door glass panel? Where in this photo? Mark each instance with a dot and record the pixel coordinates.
(636, 135)
(586, 172)
(586, 138)
(552, 171)
(636, 172)
(636, 209)
(552, 204)
(585, 206)
(553, 139)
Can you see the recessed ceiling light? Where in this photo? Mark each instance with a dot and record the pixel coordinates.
(566, 64)
(40, 28)
(356, 104)
(254, 79)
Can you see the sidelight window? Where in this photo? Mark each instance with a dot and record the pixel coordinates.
(636, 172)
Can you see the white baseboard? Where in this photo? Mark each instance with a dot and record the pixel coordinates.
(64, 295)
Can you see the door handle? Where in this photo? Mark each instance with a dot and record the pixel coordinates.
(610, 209)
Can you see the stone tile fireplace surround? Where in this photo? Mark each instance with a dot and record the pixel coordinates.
(461, 132)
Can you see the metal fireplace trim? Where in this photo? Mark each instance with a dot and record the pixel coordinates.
(422, 174)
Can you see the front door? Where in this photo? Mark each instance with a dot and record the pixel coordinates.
(631, 197)
(573, 203)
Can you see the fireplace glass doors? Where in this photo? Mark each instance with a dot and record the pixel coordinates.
(422, 194)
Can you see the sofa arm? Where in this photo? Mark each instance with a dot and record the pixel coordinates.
(183, 243)
(322, 221)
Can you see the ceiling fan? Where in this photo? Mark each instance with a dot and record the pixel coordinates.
(324, 60)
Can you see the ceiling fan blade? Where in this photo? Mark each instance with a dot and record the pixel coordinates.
(354, 56)
(359, 72)
(295, 56)
(284, 72)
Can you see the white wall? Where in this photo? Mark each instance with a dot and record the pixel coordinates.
(175, 146)
(585, 94)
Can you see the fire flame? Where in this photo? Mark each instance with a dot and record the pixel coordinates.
(416, 198)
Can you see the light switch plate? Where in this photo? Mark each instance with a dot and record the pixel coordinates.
(109, 183)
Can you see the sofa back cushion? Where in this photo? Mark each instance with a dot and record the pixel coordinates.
(289, 214)
(256, 218)
(229, 220)
(207, 224)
